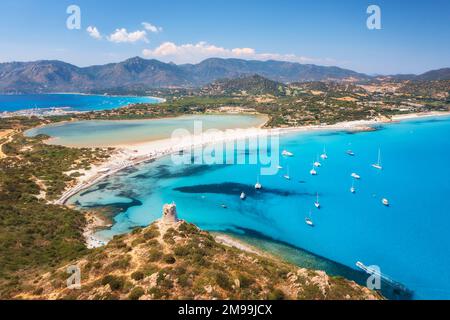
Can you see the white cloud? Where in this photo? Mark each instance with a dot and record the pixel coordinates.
(151, 28)
(123, 36)
(194, 53)
(93, 32)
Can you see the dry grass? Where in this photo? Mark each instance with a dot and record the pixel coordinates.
(5, 137)
(179, 261)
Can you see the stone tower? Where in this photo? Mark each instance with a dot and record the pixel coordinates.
(170, 214)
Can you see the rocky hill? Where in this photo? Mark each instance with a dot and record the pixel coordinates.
(172, 259)
(434, 75)
(247, 85)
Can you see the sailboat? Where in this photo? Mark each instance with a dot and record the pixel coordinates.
(258, 185)
(317, 164)
(353, 189)
(287, 176)
(309, 221)
(324, 155)
(317, 203)
(313, 171)
(378, 164)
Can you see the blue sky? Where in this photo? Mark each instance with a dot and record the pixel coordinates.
(414, 37)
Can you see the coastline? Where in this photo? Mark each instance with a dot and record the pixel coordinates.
(94, 223)
(160, 100)
(125, 156)
(64, 110)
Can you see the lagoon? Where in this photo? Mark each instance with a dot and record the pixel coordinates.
(108, 133)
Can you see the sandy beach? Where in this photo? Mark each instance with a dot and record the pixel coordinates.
(229, 241)
(126, 156)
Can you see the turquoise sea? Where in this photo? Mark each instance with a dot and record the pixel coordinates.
(408, 240)
(76, 102)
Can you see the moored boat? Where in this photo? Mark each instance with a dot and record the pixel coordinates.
(286, 153)
(317, 203)
(356, 176)
(378, 164)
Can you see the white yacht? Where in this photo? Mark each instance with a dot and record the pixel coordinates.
(353, 189)
(243, 196)
(286, 153)
(313, 171)
(356, 176)
(385, 202)
(287, 176)
(378, 164)
(258, 185)
(317, 163)
(317, 203)
(324, 155)
(309, 221)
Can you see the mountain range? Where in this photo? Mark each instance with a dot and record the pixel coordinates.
(58, 76)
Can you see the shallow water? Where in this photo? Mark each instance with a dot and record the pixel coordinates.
(407, 240)
(113, 133)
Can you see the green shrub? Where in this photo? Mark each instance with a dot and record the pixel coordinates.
(276, 294)
(122, 263)
(115, 283)
(245, 281)
(184, 281)
(137, 242)
(181, 251)
(153, 243)
(119, 244)
(151, 234)
(136, 293)
(137, 276)
(150, 269)
(154, 255)
(136, 230)
(157, 293)
(188, 228)
(169, 259)
(223, 281)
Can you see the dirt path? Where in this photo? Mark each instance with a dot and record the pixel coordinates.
(5, 134)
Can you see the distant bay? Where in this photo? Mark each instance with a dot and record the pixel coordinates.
(75, 102)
